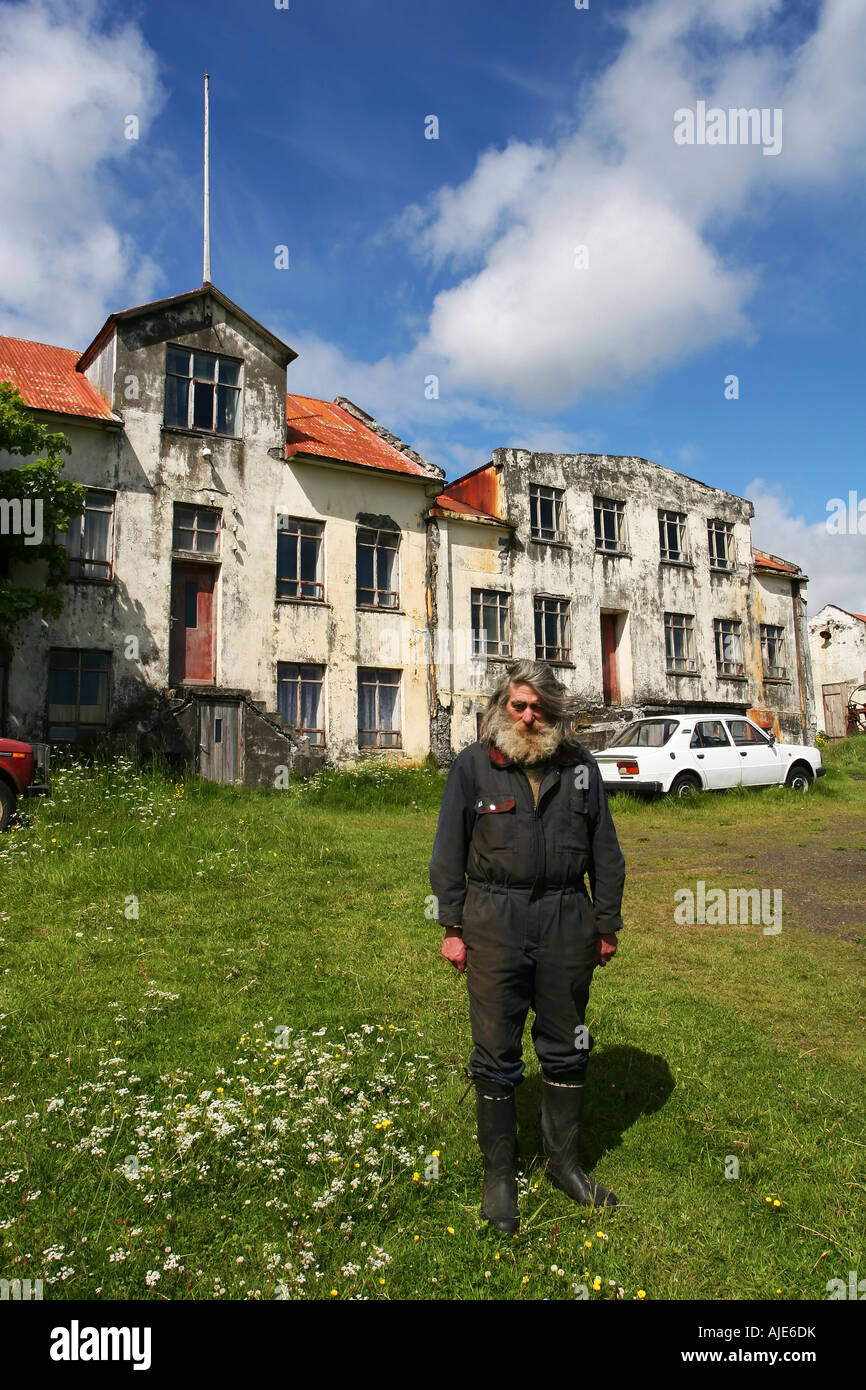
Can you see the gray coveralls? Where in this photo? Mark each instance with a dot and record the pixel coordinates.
(511, 872)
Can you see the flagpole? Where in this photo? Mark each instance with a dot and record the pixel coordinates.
(206, 266)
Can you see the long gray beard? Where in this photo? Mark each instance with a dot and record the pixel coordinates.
(510, 737)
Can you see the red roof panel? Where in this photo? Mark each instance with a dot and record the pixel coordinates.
(47, 379)
(327, 430)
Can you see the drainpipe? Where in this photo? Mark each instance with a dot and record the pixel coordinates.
(795, 597)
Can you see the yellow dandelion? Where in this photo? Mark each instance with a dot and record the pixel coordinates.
(525, 1279)
(588, 1244)
(416, 1177)
(776, 1202)
(333, 1293)
(641, 1293)
(416, 1237)
(435, 1153)
(381, 1281)
(450, 1230)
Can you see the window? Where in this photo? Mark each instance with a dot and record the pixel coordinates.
(680, 642)
(491, 623)
(77, 693)
(202, 391)
(745, 734)
(710, 733)
(672, 536)
(546, 513)
(552, 629)
(300, 699)
(773, 651)
(299, 558)
(646, 733)
(378, 708)
(720, 535)
(90, 539)
(728, 637)
(610, 532)
(197, 529)
(376, 558)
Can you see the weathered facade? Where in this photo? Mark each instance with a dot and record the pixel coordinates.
(837, 640)
(264, 581)
(639, 582)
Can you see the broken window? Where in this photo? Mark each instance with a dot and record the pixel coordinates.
(301, 699)
(546, 512)
(378, 708)
(610, 532)
(196, 529)
(491, 623)
(299, 558)
(89, 540)
(77, 693)
(202, 391)
(728, 638)
(720, 535)
(377, 578)
(672, 536)
(552, 629)
(680, 642)
(773, 651)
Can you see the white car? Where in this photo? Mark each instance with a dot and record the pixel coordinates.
(685, 753)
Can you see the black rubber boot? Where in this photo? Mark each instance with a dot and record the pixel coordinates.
(497, 1139)
(561, 1112)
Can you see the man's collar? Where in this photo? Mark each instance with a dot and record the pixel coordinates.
(564, 755)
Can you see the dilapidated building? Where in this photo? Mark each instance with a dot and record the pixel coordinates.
(263, 581)
(640, 583)
(837, 640)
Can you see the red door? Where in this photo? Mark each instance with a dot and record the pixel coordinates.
(609, 672)
(193, 627)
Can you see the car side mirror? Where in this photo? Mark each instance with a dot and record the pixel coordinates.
(772, 737)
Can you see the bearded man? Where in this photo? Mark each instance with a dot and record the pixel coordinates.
(524, 816)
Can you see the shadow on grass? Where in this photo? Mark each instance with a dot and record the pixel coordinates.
(622, 1084)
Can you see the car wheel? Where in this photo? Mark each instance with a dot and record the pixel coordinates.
(800, 778)
(686, 784)
(7, 804)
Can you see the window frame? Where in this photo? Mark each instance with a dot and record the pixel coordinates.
(563, 617)
(557, 500)
(218, 358)
(489, 598)
(616, 505)
(688, 628)
(668, 517)
(717, 526)
(378, 545)
(769, 671)
(80, 525)
(80, 727)
(319, 582)
(378, 684)
(283, 682)
(196, 508)
(719, 625)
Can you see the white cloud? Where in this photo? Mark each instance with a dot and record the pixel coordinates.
(530, 326)
(66, 86)
(835, 564)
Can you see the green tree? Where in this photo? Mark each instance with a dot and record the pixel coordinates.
(61, 500)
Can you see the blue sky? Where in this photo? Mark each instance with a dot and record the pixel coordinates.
(456, 257)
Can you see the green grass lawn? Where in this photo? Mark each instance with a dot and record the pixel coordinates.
(233, 1059)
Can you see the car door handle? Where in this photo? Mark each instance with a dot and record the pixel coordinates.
(742, 753)
(699, 755)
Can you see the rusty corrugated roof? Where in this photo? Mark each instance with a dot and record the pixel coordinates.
(47, 380)
(326, 430)
(772, 562)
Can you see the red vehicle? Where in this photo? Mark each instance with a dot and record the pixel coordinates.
(24, 769)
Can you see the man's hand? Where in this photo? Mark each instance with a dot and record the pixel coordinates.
(453, 948)
(605, 947)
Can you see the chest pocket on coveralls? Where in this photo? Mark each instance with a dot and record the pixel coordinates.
(576, 835)
(495, 822)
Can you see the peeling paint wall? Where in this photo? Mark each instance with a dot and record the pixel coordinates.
(638, 588)
(152, 467)
(838, 659)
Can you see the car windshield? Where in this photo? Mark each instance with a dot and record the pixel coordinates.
(646, 733)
